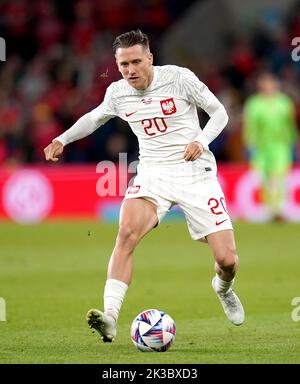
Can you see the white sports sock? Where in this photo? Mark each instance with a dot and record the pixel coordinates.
(222, 285)
(114, 293)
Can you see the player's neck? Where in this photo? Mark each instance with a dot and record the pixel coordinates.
(270, 95)
(149, 80)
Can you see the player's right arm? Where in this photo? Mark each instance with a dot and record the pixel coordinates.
(83, 127)
(54, 150)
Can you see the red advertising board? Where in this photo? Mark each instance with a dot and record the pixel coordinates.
(33, 194)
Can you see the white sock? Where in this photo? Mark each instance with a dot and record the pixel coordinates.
(114, 293)
(222, 285)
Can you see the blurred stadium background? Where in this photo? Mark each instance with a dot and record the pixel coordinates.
(58, 64)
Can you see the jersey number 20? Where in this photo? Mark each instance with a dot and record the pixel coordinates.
(152, 126)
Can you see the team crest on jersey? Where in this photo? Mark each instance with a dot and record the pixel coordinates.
(168, 106)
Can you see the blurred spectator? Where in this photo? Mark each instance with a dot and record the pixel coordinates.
(270, 136)
(43, 128)
(49, 28)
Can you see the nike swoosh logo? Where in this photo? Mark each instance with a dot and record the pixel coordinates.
(129, 114)
(220, 222)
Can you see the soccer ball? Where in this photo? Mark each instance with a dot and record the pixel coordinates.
(153, 331)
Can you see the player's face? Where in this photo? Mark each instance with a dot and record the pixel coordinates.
(268, 85)
(135, 65)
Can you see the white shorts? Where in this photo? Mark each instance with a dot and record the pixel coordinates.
(190, 185)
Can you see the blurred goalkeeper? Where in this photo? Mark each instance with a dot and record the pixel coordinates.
(270, 135)
(175, 167)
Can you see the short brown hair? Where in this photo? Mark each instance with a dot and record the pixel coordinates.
(128, 39)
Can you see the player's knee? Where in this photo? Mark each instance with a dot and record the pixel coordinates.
(127, 236)
(228, 259)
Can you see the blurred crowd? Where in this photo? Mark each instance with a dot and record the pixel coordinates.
(59, 63)
(266, 47)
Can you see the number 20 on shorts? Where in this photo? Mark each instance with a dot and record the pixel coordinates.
(217, 206)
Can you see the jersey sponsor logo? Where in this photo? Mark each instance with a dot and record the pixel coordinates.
(168, 106)
(147, 100)
(133, 189)
(130, 113)
(221, 222)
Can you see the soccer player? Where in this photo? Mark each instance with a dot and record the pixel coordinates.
(270, 134)
(175, 167)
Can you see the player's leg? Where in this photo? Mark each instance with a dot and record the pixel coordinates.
(276, 193)
(223, 248)
(204, 207)
(279, 165)
(137, 217)
(272, 164)
(259, 164)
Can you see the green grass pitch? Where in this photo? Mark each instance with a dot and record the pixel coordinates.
(52, 273)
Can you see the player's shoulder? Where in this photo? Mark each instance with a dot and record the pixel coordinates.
(285, 98)
(117, 87)
(181, 79)
(117, 90)
(174, 70)
(253, 100)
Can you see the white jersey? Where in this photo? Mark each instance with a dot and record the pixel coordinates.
(163, 116)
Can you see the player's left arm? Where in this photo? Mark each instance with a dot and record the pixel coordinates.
(199, 94)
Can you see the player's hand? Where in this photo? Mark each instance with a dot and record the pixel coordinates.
(193, 151)
(54, 150)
